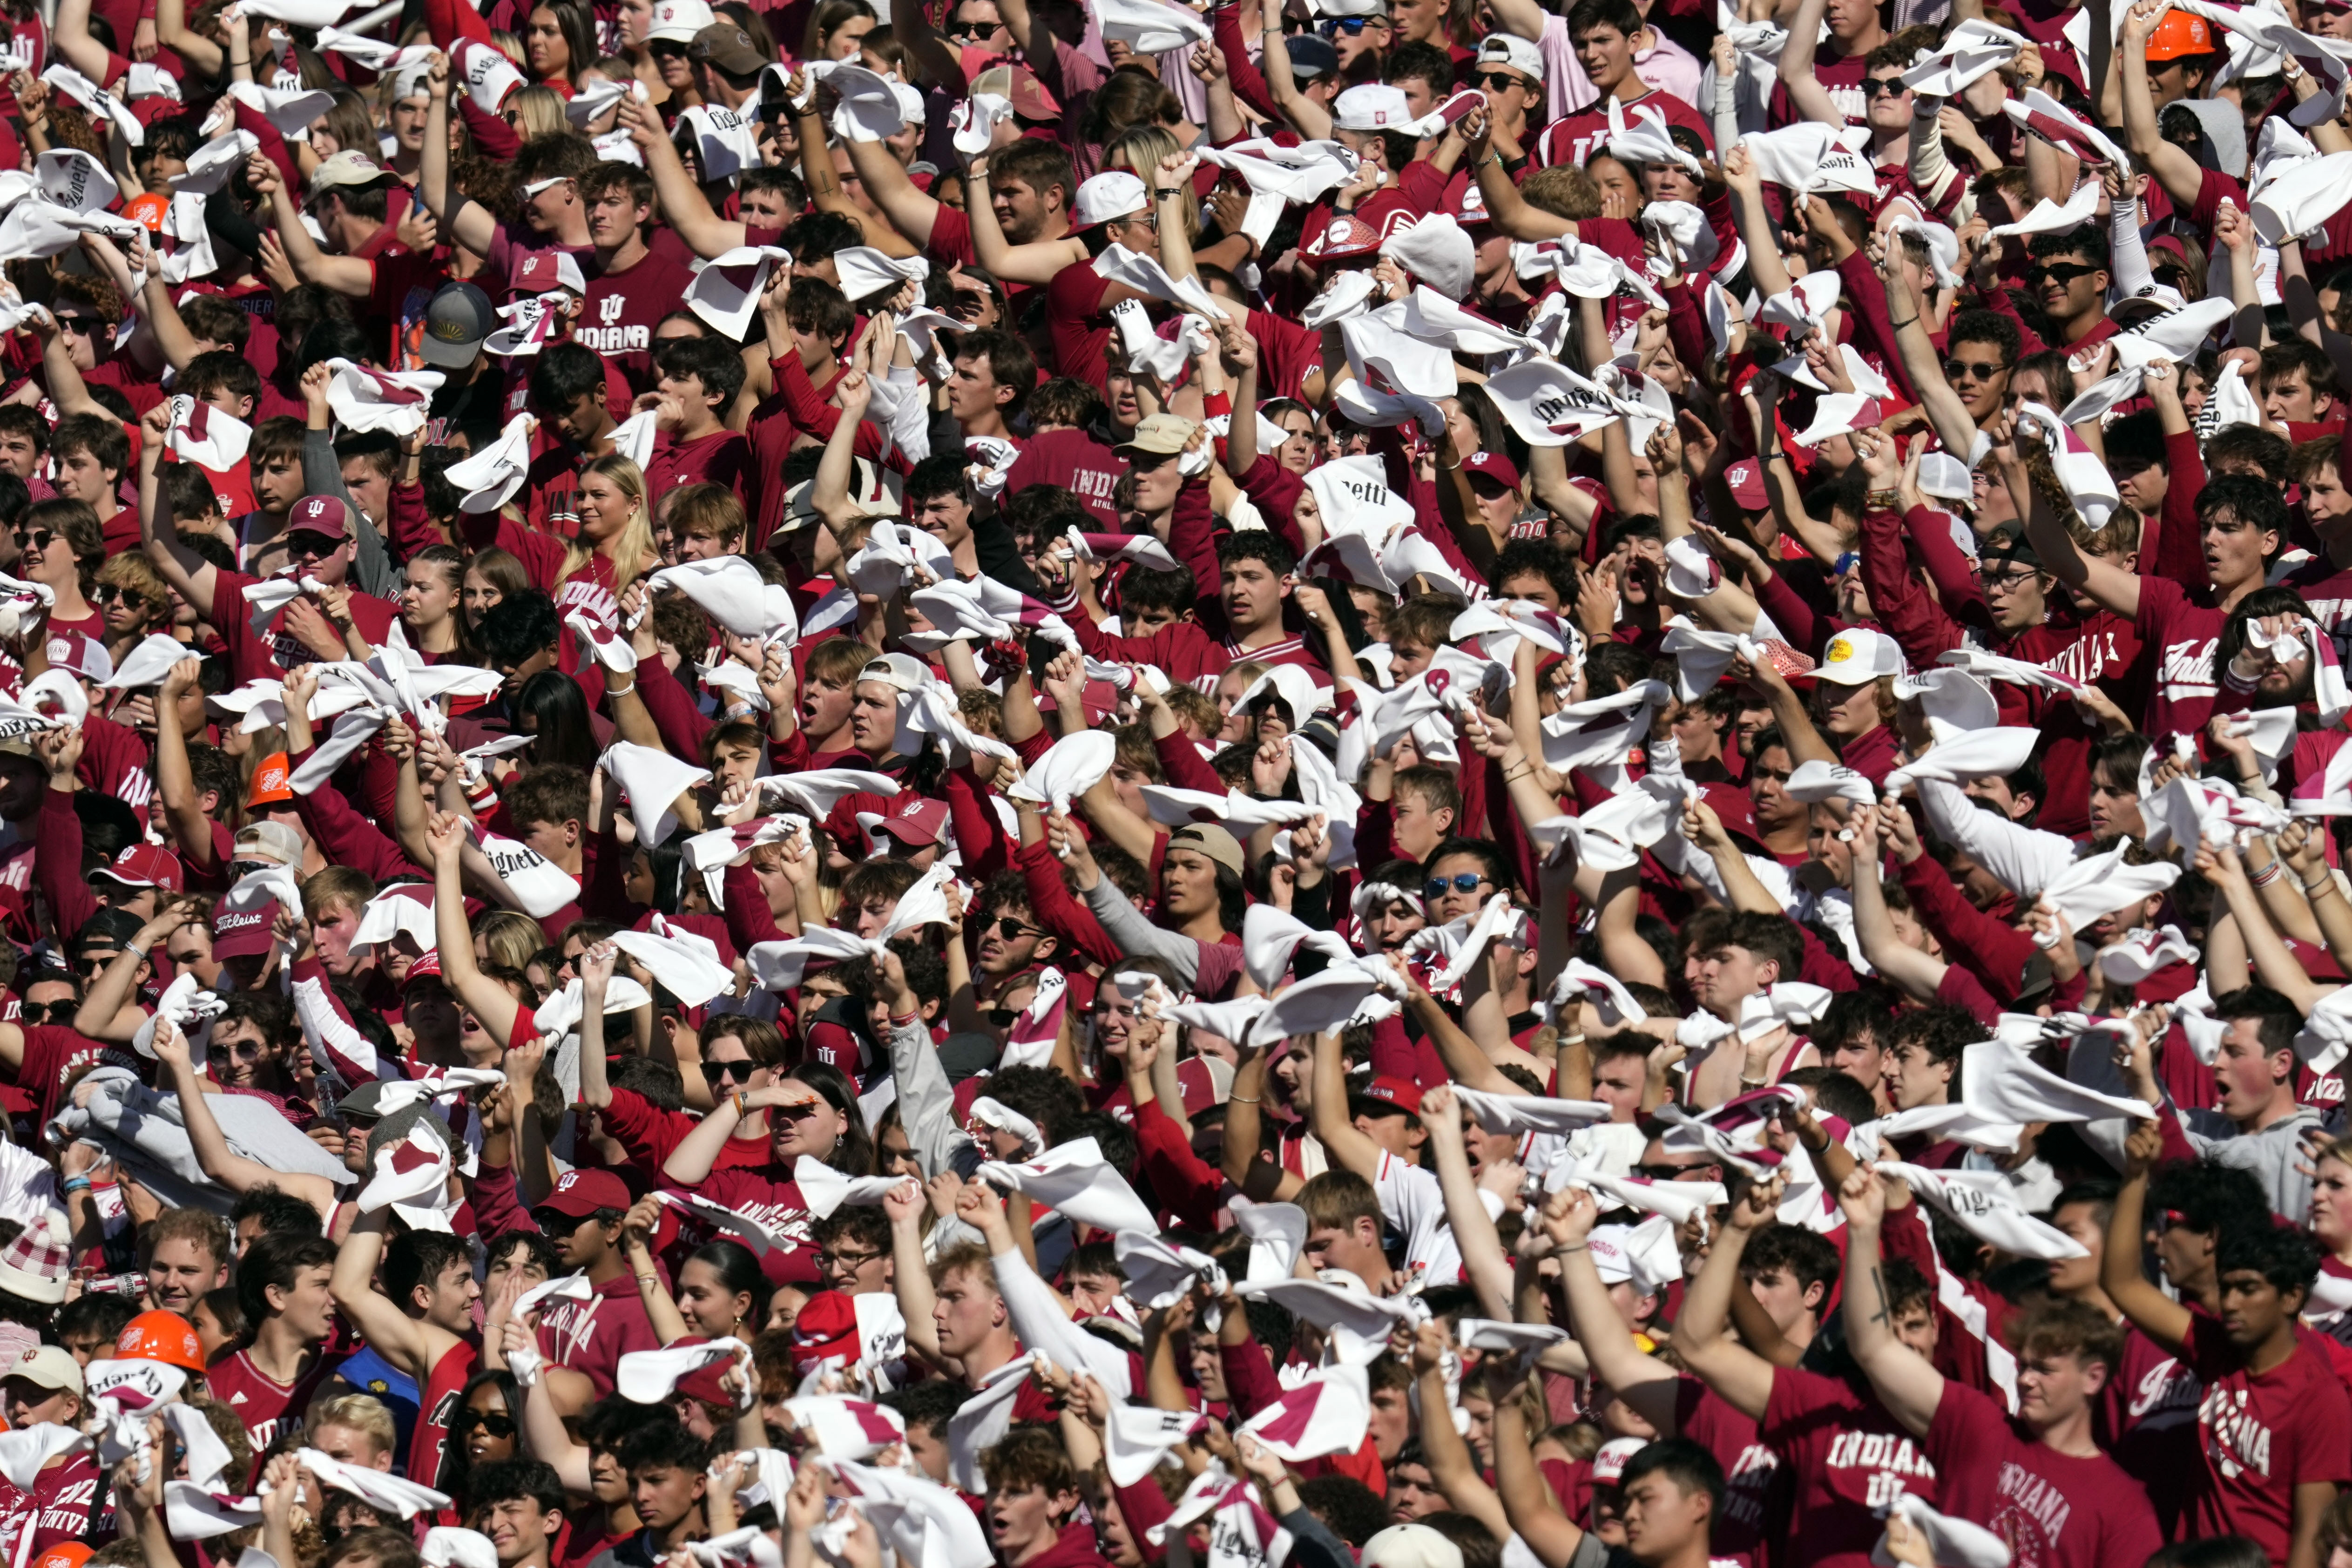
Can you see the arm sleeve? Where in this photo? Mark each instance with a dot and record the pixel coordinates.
(2178, 555)
(336, 1043)
(926, 1104)
(2023, 858)
(976, 831)
(1875, 327)
(1249, 82)
(1192, 539)
(1993, 952)
(1314, 1546)
(1250, 1382)
(411, 527)
(1951, 571)
(57, 864)
(1685, 326)
(646, 1133)
(1275, 492)
(1137, 937)
(1997, 301)
(2129, 253)
(1910, 616)
(682, 725)
(1186, 767)
(345, 837)
(1789, 612)
(1056, 910)
(1932, 169)
(322, 471)
(748, 919)
(1184, 1184)
(1042, 1324)
(496, 1200)
(999, 558)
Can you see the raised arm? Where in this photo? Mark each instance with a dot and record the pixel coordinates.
(2108, 583)
(214, 1156)
(461, 219)
(1482, 1258)
(389, 1332)
(1645, 1383)
(2156, 1314)
(488, 1001)
(1701, 1337)
(1349, 1148)
(1906, 1384)
(2173, 167)
(683, 206)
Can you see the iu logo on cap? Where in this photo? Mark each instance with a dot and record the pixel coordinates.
(571, 1179)
(318, 509)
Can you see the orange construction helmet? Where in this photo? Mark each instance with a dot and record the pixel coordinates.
(2180, 34)
(149, 210)
(63, 1554)
(161, 1336)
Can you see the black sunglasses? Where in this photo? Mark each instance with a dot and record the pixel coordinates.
(1495, 81)
(1971, 370)
(1884, 87)
(1664, 1172)
(51, 1012)
(972, 32)
(722, 1072)
(1462, 882)
(2058, 272)
(1012, 930)
(38, 539)
(497, 1426)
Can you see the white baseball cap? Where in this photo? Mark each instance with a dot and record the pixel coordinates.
(1372, 106)
(1946, 478)
(1115, 193)
(677, 21)
(1858, 655)
(1509, 50)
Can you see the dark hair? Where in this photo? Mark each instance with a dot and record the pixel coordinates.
(542, 1251)
(1986, 327)
(219, 371)
(552, 792)
(2279, 1020)
(1257, 544)
(456, 1475)
(2286, 1257)
(1347, 1507)
(854, 1151)
(942, 474)
(420, 1257)
(2256, 504)
(509, 1479)
(518, 626)
(663, 1446)
(103, 438)
(1587, 14)
(739, 1271)
(1686, 1462)
(558, 714)
(563, 373)
(280, 1214)
(1807, 1257)
(1010, 362)
(2265, 449)
(2208, 1198)
(718, 362)
(1536, 558)
(100, 1315)
(1944, 1032)
(1776, 937)
(1418, 62)
(278, 1258)
(928, 1404)
(2089, 242)
(1834, 1090)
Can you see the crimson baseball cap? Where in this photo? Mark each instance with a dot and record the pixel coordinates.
(241, 933)
(320, 514)
(1388, 1095)
(918, 823)
(1493, 466)
(827, 1326)
(582, 1192)
(145, 865)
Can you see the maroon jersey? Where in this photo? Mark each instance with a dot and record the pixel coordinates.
(437, 1406)
(592, 1336)
(1577, 138)
(2180, 636)
(2260, 1435)
(618, 316)
(54, 1053)
(1755, 1483)
(1069, 460)
(55, 1511)
(2055, 1510)
(1849, 1459)
(266, 1406)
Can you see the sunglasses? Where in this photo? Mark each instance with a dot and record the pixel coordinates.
(1352, 25)
(96, 962)
(310, 546)
(1846, 563)
(716, 1073)
(1461, 882)
(667, 49)
(79, 326)
(38, 539)
(1495, 81)
(2058, 272)
(244, 1050)
(497, 1426)
(107, 594)
(51, 1012)
(1884, 87)
(1012, 930)
(1973, 369)
(1666, 1173)
(972, 32)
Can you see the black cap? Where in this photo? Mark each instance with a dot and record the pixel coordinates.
(456, 320)
(1311, 56)
(228, 219)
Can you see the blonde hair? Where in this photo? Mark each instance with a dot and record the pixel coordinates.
(513, 939)
(362, 1413)
(628, 550)
(1140, 150)
(539, 111)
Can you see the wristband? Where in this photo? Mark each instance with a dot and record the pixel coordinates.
(2267, 875)
(1898, 326)
(1885, 501)
(2324, 885)
(738, 1097)
(77, 1184)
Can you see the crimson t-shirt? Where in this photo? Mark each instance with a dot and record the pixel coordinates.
(2056, 1510)
(592, 1336)
(1069, 460)
(2180, 636)
(267, 1407)
(1849, 1459)
(621, 309)
(55, 1511)
(1082, 328)
(2261, 1434)
(1755, 1482)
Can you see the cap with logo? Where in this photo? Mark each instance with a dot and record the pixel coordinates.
(579, 1194)
(1371, 106)
(1114, 193)
(827, 1326)
(456, 320)
(1494, 465)
(918, 821)
(65, 1554)
(324, 515)
(1858, 655)
(85, 655)
(1159, 436)
(160, 1336)
(544, 271)
(1746, 478)
(679, 21)
(47, 1366)
(1354, 234)
(269, 785)
(2180, 34)
(729, 48)
(145, 865)
(1388, 1094)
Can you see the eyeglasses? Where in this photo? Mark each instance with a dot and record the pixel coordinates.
(2058, 272)
(850, 1260)
(96, 962)
(1461, 882)
(491, 1422)
(244, 1050)
(1882, 87)
(1973, 369)
(716, 1073)
(2003, 582)
(1495, 81)
(38, 539)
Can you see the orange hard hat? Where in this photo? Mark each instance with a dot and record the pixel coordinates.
(63, 1554)
(149, 210)
(161, 1336)
(2180, 34)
